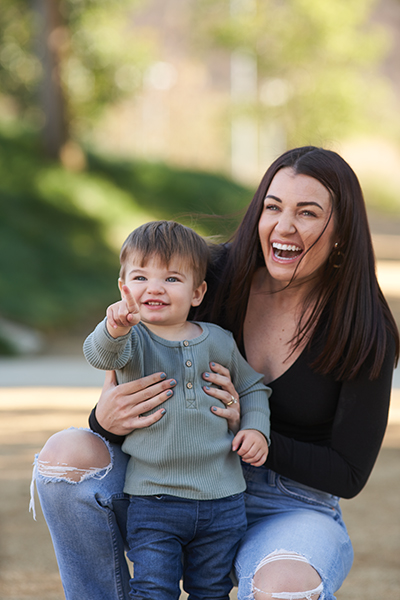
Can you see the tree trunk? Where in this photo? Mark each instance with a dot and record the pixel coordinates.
(51, 38)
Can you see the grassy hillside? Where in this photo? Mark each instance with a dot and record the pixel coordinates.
(60, 231)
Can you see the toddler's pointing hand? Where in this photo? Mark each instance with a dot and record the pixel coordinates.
(122, 315)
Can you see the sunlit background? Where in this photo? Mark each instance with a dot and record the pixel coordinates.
(116, 112)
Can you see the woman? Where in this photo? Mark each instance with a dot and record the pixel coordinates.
(297, 286)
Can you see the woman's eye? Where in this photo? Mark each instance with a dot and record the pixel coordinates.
(271, 207)
(308, 213)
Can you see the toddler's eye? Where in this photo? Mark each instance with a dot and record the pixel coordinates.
(139, 278)
(172, 279)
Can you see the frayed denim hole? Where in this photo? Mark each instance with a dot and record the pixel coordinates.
(303, 595)
(57, 473)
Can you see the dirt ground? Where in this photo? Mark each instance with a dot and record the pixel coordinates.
(28, 570)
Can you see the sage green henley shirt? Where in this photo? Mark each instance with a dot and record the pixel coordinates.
(187, 453)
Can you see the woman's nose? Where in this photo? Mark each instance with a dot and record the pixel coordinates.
(285, 224)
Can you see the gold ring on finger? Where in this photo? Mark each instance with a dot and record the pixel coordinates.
(232, 401)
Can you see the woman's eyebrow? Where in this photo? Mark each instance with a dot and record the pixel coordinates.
(308, 203)
(305, 203)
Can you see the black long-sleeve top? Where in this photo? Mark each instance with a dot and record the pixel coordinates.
(324, 433)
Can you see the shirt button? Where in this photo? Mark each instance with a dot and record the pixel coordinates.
(186, 343)
(188, 363)
(189, 385)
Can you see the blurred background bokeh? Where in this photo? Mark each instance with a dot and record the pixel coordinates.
(115, 112)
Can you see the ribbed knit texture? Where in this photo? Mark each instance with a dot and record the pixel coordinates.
(187, 453)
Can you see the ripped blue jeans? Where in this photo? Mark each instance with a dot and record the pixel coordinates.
(87, 522)
(284, 519)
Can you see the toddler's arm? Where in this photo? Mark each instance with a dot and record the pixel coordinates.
(122, 315)
(252, 446)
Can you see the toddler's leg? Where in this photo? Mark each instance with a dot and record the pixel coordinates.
(209, 556)
(155, 528)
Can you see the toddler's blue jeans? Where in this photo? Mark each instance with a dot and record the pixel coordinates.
(207, 532)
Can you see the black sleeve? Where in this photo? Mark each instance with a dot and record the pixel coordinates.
(341, 468)
(97, 428)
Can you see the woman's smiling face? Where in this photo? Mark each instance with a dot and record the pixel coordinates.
(297, 210)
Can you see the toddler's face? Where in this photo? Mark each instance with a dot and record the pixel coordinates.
(164, 293)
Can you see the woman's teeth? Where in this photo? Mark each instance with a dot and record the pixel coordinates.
(286, 247)
(285, 250)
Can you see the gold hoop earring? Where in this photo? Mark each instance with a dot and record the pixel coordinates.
(336, 257)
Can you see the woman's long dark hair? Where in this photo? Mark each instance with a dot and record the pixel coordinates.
(350, 317)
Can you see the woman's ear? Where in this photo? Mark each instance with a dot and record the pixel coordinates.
(198, 294)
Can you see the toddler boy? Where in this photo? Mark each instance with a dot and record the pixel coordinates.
(184, 479)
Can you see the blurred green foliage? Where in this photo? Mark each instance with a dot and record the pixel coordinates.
(196, 198)
(316, 64)
(104, 58)
(20, 69)
(100, 59)
(60, 231)
(55, 267)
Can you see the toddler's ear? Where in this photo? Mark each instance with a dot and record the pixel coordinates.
(120, 284)
(198, 294)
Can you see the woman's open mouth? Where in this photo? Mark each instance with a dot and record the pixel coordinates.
(286, 251)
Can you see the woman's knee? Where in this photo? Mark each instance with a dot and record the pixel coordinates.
(287, 576)
(73, 454)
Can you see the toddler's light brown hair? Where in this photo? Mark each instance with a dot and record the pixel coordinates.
(165, 240)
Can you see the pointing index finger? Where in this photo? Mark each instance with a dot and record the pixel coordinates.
(130, 300)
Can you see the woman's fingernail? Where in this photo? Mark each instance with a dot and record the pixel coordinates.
(206, 374)
(206, 388)
(169, 393)
(214, 409)
(162, 376)
(163, 411)
(172, 382)
(212, 364)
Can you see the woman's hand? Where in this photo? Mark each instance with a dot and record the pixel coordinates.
(226, 392)
(120, 406)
